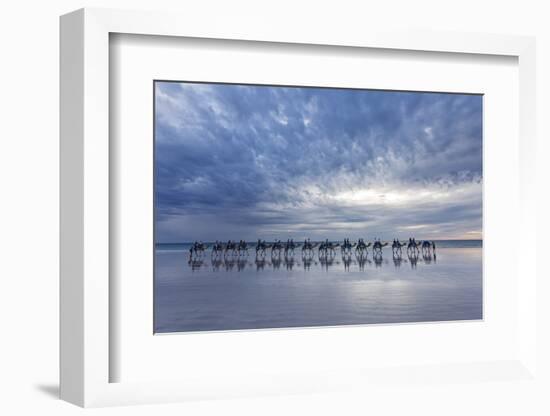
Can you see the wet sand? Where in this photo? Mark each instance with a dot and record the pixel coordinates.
(208, 295)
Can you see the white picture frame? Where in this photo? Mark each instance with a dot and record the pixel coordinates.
(85, 202)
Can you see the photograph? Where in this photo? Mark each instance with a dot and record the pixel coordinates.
(287, 206)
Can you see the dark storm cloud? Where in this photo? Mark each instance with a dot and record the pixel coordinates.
(247, 161)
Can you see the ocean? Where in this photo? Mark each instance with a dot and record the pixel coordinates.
(235, 293)
(439, 244)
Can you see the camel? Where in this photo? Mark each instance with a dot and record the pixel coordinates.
(217, 249)
(327, 249)
(197, 249)
(289, 248)
(347, 246)
(361, 248)
(231, 247)
(377, 246)
(261, 248)
(412, 246)
(396, 247)
(428, 247)
(276, 249)
(242, 248)
(307, 248)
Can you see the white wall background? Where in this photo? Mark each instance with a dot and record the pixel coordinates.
(29, 58)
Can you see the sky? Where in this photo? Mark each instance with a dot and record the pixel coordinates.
(248, 162)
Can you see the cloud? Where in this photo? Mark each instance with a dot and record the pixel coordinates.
(235, 161)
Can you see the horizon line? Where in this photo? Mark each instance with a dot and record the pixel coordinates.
(432, 239)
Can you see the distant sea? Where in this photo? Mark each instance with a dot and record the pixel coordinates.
(439, 244)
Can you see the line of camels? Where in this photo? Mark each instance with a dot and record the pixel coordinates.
(324, 249)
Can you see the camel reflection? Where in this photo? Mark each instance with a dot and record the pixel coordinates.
(327, 261)
(289, 263)
(349, 261)
(241, 264)
(428, 258)
(276, 262)
(260, 263)
(229, 264)
(413, 259)
(397, 259)
(216, 264)
(362, 260)
(196, 263)
(378, 259)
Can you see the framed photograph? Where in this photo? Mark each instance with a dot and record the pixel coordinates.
(271, 212)
(289, 206)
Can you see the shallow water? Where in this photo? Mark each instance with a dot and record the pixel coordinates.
(207, 294)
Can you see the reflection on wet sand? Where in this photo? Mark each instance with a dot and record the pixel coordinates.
(348, 261)
(245, 292)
